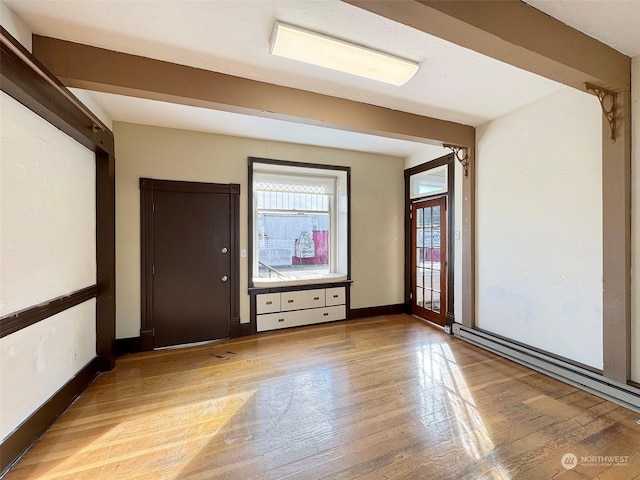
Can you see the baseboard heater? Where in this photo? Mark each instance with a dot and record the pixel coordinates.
(620, 393)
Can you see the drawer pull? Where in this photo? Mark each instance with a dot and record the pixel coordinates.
(269, 303)
(316, 298)
(326, 314)
(336, 296)
(289, 301)
(281, 319)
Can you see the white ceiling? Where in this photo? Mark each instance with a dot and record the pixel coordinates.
(233, 37)
(150, 112)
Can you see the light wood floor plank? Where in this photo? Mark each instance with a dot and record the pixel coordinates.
(389, 397)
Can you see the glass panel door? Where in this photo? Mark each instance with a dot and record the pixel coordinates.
(429, 259)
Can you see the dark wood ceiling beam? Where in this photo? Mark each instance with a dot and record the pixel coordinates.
(515, 33)
(102, 70)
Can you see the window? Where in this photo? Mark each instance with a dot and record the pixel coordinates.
(429, 182)
(299, 223)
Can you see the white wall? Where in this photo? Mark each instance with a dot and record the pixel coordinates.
(47, 249)
(376, 201)
(539, 226)
(47, 206)
(424, 156)
(635, 219)
(37, 361)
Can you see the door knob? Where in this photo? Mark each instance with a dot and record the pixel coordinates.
(224, 250)
(225, 278)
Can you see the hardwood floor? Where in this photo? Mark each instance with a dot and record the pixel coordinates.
(388, 397)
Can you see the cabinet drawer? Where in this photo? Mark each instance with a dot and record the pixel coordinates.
(335, 296)
(301, 299)
(267, 303)
(274, 321)
(329, 314)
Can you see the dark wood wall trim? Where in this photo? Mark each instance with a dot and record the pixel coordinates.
(306, 286)
(234, 229)
(28, 87)
(147, 187)
(240, 329)
(375, 311)
(19, 81)
(16, 444)
(125, 346)
(146, 264)
(189, 187)
(448, 160)
(106, 260)
(17, 321)
(291, 163)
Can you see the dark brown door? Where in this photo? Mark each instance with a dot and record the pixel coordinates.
(191, 267)
(429, 260)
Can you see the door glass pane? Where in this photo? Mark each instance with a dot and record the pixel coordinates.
(427, 217)
(420, 237)
(435, 242)
(427, 278)
(436, 302)
(435, 258)
(436, 216)
(435, 279)
(420, 217)
(420, 277)
(420, 297)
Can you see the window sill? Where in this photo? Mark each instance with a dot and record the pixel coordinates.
(283, 282)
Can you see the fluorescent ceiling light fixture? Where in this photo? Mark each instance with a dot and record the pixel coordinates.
(316, 49)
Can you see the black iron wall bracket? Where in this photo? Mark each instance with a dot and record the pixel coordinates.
(608, 102)
(462, 155)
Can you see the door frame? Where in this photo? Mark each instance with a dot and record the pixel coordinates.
(448, 160)
(147, 188)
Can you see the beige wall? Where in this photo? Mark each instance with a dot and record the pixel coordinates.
(15, 26)
(635, 220)
(426, 154)
(161, 153)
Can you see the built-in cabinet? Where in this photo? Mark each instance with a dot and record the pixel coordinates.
(295, 308)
